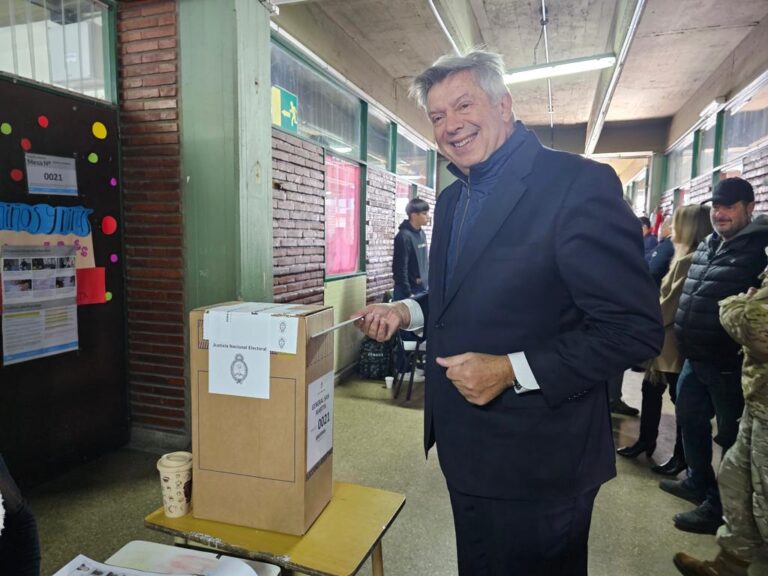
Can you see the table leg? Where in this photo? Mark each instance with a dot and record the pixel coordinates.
(377, 560)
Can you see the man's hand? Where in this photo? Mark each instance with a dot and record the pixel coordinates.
(381, 321)
(479, 377)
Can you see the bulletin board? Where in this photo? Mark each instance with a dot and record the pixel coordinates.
(60, 186)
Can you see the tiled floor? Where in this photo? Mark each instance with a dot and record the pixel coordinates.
(98, 507)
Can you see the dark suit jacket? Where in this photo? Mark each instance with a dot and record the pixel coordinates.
(553, 267)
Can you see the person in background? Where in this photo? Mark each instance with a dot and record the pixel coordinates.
(743, 475)
(410, 263)
(19, 544)
(727, 262)
(649, 238)
(661, 257)
(410, 266)
(690, 225)
(523, 337)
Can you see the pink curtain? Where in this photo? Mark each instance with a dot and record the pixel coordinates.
(342, 217)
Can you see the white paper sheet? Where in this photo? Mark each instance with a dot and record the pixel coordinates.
(84, 566)
(238, 353)
(319, 419)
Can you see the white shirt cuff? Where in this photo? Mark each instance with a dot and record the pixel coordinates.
(523, 373)
(417, 316)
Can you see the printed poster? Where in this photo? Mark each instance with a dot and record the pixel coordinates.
(39, 292)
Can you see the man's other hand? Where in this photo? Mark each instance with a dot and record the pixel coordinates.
(479, 377)
(381, 321)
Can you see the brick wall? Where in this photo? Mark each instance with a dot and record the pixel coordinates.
(667, 201)
(379, 233)
(700, 190)
(756, 172)
(298, 219)
(148, 84)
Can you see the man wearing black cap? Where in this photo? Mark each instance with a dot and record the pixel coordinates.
(727, 262)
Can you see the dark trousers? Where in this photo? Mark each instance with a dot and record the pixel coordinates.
(614, 388)
(650, 413)
(522, 538)
(703, 391)
(19, 545)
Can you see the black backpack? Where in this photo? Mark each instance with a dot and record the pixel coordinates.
(375, 359)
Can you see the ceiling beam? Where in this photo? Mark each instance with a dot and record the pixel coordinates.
(460, 20)
(626, 20)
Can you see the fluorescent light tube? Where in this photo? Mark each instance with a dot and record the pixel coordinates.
(562, 68)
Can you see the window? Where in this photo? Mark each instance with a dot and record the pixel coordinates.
(378, 141)
(411, 160)
(342, 217)
(327, 114)
(639, 186)
(707, 147)
(679, 162)
(746, 124)
(59, 42)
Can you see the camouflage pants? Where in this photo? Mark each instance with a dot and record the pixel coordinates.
(743, 481)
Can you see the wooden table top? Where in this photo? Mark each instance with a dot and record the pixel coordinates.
(337, 544)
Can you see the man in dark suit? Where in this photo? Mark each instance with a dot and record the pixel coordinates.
(539, 293)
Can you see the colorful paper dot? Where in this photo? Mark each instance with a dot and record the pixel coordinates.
(17, 175)
(99, 130)
(42, 121)
(108, 296)
(113, 258)
(113, 181)
(26, 144)
(108, 225)
(6, 128)
(93, 157)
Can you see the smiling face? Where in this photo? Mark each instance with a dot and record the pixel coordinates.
(729, 220)
(468, 126)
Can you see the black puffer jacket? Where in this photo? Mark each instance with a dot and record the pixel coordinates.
(714, 276)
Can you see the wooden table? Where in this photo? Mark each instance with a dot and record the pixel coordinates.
(347, 532)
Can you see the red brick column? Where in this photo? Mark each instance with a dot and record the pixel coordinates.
(148, 89)
(298, 219)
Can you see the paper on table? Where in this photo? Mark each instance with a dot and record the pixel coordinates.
(84, 566)
(229, 566)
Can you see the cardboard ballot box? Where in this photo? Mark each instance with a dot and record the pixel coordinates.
(262, 414)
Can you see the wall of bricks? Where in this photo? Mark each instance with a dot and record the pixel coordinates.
(148, 88)
(700, 190)
(756, 172)
(379, 233)
(298, 219)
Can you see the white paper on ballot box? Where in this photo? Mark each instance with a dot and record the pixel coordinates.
(240, 338)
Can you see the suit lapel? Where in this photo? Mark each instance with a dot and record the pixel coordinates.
(440, 238)
(507, 192)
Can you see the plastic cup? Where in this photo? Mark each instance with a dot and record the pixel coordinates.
(389, 380)
(176, 483)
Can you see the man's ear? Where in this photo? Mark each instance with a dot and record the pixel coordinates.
(506, 107)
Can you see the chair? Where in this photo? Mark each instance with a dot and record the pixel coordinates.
(414, 352)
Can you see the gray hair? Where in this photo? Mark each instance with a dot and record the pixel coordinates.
(487, 67)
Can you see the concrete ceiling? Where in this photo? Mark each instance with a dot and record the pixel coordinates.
(677, 44)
